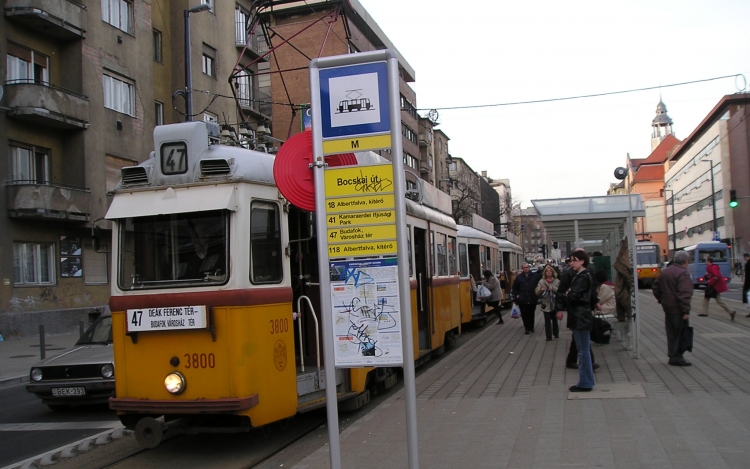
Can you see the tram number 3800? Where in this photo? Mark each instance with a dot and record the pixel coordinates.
(279, 325)
(200, 360)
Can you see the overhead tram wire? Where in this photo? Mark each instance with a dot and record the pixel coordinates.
(568, 98)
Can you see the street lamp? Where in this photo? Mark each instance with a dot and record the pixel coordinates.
(713, 196)
(188, 65)
(674, 230)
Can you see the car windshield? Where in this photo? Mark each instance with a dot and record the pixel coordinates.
(98, 333)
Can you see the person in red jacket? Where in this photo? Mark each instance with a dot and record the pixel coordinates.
(719, 286)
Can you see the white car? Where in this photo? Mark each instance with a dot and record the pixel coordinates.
(84, 374)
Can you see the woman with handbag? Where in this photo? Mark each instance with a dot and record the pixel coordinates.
(715, 286)
(546, 289)
(496, 294)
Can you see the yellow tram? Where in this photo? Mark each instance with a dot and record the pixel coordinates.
(215, 298)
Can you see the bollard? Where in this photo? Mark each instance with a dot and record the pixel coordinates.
(41, 341)
(80, 329)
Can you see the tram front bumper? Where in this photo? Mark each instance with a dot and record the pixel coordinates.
(183, 406)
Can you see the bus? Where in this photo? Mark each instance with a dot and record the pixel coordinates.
(697, 261)
(648, 262)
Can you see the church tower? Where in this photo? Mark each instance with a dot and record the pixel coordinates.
(661, 124)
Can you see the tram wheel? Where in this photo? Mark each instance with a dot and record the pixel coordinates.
(149, 432)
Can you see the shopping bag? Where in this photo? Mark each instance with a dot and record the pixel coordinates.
(515, 311)
(483, 293)
(686, 339)
(601, 331)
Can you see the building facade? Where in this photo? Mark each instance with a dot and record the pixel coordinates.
(84, 85)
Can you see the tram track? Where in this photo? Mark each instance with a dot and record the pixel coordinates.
(258, 448)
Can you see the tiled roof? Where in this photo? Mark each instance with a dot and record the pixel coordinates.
(649, 172)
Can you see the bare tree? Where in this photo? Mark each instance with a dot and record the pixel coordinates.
(466, 197)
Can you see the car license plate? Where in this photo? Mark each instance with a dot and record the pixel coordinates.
(62, 392)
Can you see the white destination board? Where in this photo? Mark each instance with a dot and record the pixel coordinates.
(167, 319)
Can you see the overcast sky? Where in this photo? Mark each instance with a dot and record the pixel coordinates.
(479, 52)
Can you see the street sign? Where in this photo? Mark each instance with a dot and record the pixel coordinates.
(355, 111)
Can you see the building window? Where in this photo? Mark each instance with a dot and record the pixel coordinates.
(26, 65)
(29, 164)
(245, 89)
(208, 117)
(158, 113)
(118, 13)
(118, 95)
(209, 60)
(240, 25)
(33, 264)
(157, 46)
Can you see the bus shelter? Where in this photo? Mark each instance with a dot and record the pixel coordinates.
(600, 223)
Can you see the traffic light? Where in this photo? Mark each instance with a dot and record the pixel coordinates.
(733, 198)
(543, 250)
(555, 245)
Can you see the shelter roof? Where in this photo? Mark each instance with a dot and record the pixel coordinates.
(597, 217)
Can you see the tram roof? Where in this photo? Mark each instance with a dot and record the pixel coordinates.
(597, 216)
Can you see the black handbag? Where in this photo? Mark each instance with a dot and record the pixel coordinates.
(686, 339)
(601, 332)
(710, 292)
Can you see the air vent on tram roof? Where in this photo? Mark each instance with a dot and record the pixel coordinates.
(134, 175)
(216, 167)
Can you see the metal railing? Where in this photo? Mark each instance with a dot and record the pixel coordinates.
(241, 37)
(31, 81)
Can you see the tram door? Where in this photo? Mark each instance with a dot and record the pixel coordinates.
(475, 264)
(422, 272)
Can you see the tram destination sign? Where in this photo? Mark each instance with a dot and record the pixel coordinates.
(360, 211)
(167, 319)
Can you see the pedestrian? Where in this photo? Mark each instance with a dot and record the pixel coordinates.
(673, 289)
(493, 285)
(546, 290)
(715, 286)
(746, 284)
(605, 292)
(566, 278)
(524, 296)
(580, 318)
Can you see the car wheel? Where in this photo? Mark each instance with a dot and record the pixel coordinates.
(58, 407)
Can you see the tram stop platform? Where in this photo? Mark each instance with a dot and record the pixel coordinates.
(501, 400)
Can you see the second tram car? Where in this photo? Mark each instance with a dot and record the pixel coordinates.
(648, 262)
(215, 298)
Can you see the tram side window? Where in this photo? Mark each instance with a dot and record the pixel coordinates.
(442, 254)
(463, 260)
(452, 266)
(265, 243)
(482, 259)
(408, 243)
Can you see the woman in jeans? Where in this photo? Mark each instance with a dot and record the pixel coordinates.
(715, 281)
(546, 289)
(580, 318)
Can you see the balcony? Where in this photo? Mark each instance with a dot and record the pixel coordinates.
(46, 105)
(60, 19)
(255, 47)
(254, 101)
(28, 199)
(425, 139)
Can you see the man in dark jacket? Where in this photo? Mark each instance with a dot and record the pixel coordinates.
(673, 289)
(524, 295)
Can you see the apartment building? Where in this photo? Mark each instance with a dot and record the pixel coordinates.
(708, 164)
(85, 82)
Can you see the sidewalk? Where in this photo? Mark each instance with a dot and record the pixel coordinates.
(17, 356)
(502, 401)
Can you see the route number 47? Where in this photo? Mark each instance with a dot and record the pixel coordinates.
(136, 320)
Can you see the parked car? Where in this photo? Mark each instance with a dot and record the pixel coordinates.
(84, 374)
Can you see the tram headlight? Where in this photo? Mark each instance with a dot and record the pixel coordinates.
(175, 383)
(36, 374)
(107, 370)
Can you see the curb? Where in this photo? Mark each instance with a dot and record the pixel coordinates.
(15, 380)
(71, 450)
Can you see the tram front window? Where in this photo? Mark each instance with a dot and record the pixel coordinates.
(174, 250)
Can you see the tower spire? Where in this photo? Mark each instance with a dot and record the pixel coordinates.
(661, 125)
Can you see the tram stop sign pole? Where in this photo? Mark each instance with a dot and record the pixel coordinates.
(356, 106)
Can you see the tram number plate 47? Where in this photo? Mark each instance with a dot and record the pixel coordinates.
(63, 392)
